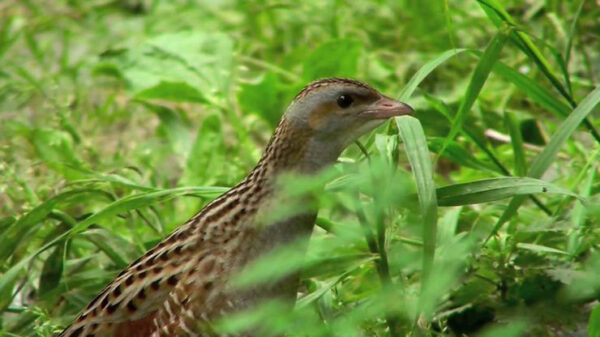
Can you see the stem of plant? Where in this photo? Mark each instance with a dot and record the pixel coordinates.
(381, 265)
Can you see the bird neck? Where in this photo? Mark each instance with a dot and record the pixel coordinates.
(294, 149)
(291, 150)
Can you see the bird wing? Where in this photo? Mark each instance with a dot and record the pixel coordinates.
(150, 289)
(176, 281)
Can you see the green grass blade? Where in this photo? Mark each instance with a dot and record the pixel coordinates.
(415, 145)
(488, 190)
(424, 71)
(122, 205)
(458, 154)
(546, 157)
(495, 11)
(593, 328)
(8, 279)
(15, 233)
(144, 199)
(540, 248)
(573, 27)
(516, 139)
(478, 79)
(523, 41)
(533, 90)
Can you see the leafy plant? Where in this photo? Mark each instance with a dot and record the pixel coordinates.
(477, 216)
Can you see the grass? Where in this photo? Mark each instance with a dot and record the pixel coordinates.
(119, 120)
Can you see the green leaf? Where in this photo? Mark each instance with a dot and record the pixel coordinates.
(56, 149)
(512, 329)
(144, 199)
(533, 90)
(424, 71)
(471, 131)
(177, 132)
(540, 248)
(478, 79)
(195, 61)
(172, 91)
(460, 155)
(107, 69)
(24, 225)
(263, 98)
(6, 222)
(517, 143)
(498, 14)
(415, 145)
(487, 190)
(207, 154)
(122, 205)
(593, 329)
(8, 280)
(52, 270)
(112, 245)
(337, 58)
(548, 154)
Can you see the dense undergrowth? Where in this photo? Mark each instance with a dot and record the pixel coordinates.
(120, 119)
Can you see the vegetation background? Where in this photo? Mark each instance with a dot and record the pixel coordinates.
(120, 119)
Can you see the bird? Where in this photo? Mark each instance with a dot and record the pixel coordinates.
(182, 285)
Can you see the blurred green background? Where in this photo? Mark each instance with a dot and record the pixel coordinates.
(123, 118)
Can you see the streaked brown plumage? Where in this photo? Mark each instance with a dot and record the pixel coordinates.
(178, 287)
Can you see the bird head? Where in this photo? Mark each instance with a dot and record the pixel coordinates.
(336, 111)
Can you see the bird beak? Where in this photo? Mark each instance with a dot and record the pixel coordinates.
(386, 107)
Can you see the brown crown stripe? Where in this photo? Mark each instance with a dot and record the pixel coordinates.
(327, 82)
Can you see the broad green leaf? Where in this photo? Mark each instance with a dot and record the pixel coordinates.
(415, 145)
(172, 91)
(199, 61)
(546, 157)
(335, 58)
(107, 69)
(263, 98)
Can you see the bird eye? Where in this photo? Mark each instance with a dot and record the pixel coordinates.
(344, 101)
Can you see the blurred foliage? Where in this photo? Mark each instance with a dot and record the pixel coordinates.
(120, 119)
